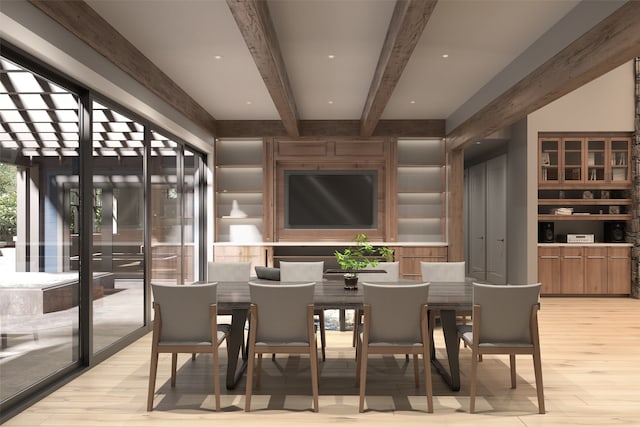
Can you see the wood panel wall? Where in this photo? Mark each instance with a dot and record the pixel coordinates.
(333, 154)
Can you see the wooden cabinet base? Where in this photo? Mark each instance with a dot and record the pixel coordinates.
(584, 270)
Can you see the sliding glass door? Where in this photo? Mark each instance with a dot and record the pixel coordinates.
(87, 190)
(118, 226)
(39, 209)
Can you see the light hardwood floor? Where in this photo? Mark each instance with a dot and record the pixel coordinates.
(590, 362)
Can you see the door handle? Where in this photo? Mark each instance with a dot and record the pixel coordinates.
(500, 240)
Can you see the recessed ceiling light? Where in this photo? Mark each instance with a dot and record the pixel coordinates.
(249, 102)
(445, 55)
(218, 57)
(330, 102)
(331, 56)
(412, 102)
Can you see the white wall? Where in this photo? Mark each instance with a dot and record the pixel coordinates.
(604, 105)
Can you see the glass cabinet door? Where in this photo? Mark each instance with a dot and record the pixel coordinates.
(573, 160)
(596, 160)
(619, 160)
(549, 160)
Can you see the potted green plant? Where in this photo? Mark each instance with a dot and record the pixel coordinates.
(363, 254)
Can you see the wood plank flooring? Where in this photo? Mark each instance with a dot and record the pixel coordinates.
(590, 362)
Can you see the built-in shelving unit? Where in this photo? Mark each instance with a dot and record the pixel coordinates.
(567, 162)
(584, 178)
(239, 190)
(411, 198)
(421, 190)
(584, 188)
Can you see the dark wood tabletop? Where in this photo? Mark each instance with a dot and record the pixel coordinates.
(332, 294)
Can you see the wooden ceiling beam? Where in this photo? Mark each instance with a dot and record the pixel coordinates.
(407, 23)
(254, 21)
(331, 128)
(609, 44)
(82, 21)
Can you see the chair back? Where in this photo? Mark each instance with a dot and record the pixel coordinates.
(229, 271)
(282, 311)
(392, 272)
(184, 311)
(443, 271)
(301, 271)
(395, 311)
(505, 312)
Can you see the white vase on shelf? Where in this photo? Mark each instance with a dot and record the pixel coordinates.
(236, 212)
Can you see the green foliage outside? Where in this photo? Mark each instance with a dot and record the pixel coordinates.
(8, 202)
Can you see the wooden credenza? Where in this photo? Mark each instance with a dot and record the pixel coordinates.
(570, 269)
(409, 256)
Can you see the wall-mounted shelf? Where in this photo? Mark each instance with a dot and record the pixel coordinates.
(239, 183)
(584, 184)
(421, 190)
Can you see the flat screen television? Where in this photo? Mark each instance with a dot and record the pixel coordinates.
(330, 199)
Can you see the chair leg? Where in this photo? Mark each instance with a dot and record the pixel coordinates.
(474, 381)
(428, 382)
(363, 374)
(174, 364)
(153, 370)
(537, 368)
(216, 376)
(313, 360)
(512, 365)
(357, 314)
(416, 370)
(258, 370)
(358, 361)
(249, 386)
(323, 340)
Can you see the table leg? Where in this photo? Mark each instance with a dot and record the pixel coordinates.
(238, 319)
(452, 377)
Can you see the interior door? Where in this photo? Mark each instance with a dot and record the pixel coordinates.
(496, 244)
(477, 221)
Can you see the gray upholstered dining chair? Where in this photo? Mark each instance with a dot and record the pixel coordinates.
(443, 272)
(395, 321)
(306, 271)
(185, 321)
(218, 271)
(281, 321)
(391, 274)
(504, 321)
(228, 271)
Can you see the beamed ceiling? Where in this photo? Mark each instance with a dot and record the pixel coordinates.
(357, 67)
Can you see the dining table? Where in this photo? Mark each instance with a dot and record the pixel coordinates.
(446, 297)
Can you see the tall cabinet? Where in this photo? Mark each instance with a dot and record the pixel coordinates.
(421, 190)
(487, 219)
(239, 201)
(584, 192)
(239, 187)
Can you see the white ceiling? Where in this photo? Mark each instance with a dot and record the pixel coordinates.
(481, 37)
